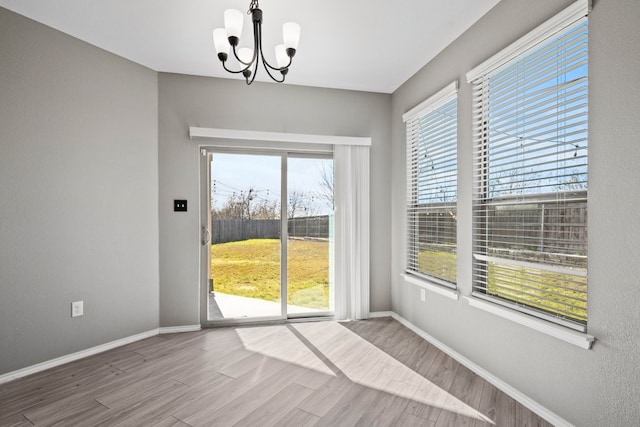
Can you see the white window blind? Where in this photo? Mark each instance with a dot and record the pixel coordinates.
(432, 187)
(530, 173)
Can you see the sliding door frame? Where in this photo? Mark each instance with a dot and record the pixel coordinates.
(236, 138)
(206, 153)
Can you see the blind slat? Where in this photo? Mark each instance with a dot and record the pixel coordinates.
(530, 161)
(432, 192)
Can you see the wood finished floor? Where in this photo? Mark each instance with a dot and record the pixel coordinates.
(366, 373)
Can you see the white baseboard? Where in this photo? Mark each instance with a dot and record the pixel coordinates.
(497, 382)
(10, 376)
(174, 329)
(375, 314)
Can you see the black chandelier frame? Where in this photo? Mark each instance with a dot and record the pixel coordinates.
(249, 75)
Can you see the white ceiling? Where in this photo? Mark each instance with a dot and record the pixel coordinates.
(373, 45)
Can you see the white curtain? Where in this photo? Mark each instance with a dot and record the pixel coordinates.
(352, 231)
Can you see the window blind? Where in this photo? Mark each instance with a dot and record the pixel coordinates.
(432, 188)
(530, 177)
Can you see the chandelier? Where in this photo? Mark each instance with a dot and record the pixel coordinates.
(227, 39)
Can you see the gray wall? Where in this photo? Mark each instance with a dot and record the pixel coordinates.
(78, 194)
(587, 387)
(223, 103)
(81, 159)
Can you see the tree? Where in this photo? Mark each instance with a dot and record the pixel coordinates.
(265, 209)
(247, 205)
(233, 208)
(326, 192)
(299, 204)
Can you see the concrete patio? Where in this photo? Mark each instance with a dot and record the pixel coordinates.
(226, 306)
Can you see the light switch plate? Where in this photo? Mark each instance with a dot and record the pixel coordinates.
(179, 205)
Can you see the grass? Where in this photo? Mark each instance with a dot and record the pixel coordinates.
(552, 292)
(251, 268)
(440, 264)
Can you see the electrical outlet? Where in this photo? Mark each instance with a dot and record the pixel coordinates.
(77, 308)
(423, 294)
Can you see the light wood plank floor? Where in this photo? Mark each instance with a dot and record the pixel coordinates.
(366, 373)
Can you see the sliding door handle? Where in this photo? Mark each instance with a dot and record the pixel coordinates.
(205, 236)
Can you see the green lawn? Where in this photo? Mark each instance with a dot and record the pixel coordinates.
(563, 293)
(535, 288)
(251, 268)
(439, 264)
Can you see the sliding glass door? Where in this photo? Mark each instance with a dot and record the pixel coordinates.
(271, 235)
(310, 221)
(245, 236)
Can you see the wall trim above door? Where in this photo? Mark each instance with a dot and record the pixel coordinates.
(250, 135)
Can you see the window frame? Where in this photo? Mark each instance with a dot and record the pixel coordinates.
(411, 118)
(557, 25)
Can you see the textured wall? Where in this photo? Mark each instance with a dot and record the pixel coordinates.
(224, 103)
(78, 195)
(587, 387)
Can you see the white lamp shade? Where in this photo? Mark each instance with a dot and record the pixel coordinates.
(291, 35)
(220, 41)
(233, 19)
(245, 54)
(281, 56)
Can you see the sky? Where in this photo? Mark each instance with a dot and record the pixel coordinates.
(235, 173)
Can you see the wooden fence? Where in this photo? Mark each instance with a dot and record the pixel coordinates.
(542, 228)
(235, 230)
(309, 227)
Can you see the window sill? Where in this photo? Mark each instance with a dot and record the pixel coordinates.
(438, 289)
(572, 337)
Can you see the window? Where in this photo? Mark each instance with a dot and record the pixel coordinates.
(530, 173)
(432, 187)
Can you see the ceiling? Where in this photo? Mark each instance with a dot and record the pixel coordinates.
(373, 45)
